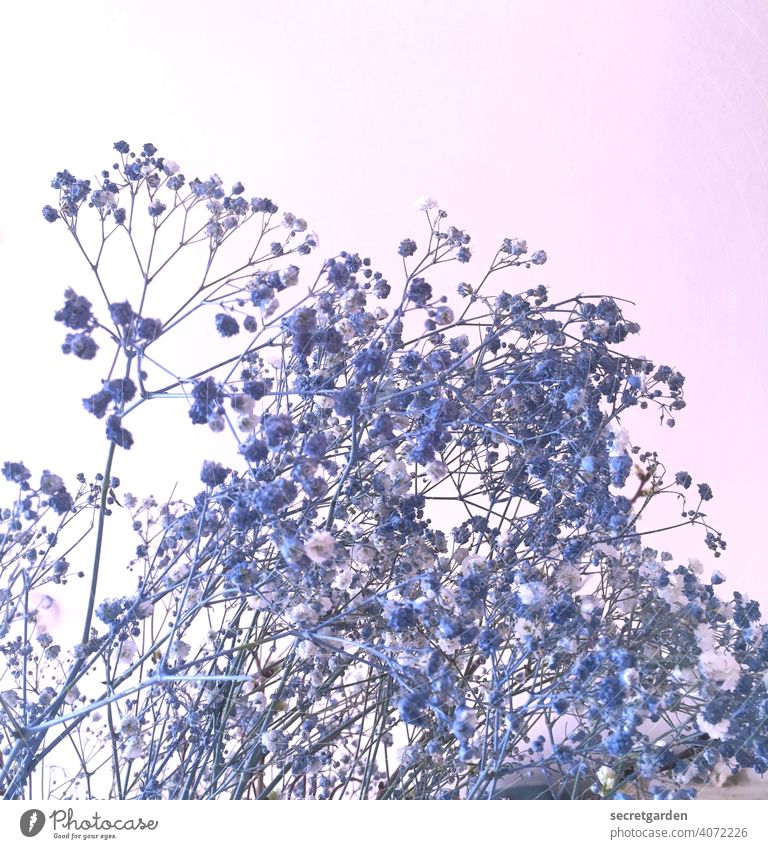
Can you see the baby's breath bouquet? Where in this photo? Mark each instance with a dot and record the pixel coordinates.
(413, 569)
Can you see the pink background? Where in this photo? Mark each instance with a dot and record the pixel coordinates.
(628, 139)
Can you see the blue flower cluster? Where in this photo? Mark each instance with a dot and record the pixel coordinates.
(424, 533)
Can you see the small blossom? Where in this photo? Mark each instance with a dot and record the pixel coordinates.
(533, 593)
(181, 651)
(103, 199)
(213, 474)
(121, 313)
(274, 740)
(216, 423)
(82, 345)
(436, 471)
(607, 778)
(425, 202)
(419, 291)
(515, 247)
(344, 577)
(10, 698)
(320, 546)
(721, 668)
(630, 677)
(227, 325)
(130, 726)
(117, 433)
(363, 554)
(50, 483)
(717, 730)
(128, 651)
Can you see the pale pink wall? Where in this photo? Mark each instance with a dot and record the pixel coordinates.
(629, 139)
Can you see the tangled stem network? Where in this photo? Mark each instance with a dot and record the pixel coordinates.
(414, 571)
